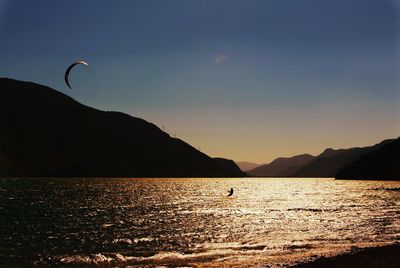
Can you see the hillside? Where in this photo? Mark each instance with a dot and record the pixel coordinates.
(282, 166)
(245, 166)
(329, 162)
(381, 164)
(46, 133)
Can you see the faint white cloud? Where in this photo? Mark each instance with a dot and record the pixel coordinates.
(221, 57)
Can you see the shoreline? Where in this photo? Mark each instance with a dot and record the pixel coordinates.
(384, 256)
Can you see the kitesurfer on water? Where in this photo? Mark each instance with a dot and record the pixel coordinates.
(230, 192)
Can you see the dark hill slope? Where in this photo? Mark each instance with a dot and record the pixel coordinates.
(229, 165)
(383, 163)
(46, 133)
(331, 161)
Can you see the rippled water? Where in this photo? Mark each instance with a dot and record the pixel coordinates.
(191, 222)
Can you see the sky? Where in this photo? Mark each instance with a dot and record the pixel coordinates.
(242, 79)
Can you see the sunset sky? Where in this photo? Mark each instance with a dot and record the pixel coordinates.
(246, 80)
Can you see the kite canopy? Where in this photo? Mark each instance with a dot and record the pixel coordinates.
(69, 69)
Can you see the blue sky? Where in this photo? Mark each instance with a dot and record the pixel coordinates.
(248, 80)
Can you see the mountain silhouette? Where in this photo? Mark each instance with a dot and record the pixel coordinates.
(229, 165)
(381, 164)
(281, 167)
(43, 132)
(246, 166)
(329, 162)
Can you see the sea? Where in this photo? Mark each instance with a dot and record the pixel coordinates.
(191, 222)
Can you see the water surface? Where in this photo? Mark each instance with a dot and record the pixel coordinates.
(191, 222)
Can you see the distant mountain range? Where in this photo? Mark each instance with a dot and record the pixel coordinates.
(46, 133)
(377, 161)
(282, 166)
(245, 166)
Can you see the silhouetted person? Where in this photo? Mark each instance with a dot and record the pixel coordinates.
(230, 192)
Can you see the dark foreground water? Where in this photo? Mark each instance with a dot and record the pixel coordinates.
(191, 222)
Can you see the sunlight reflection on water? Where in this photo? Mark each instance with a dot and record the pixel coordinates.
(192, 221)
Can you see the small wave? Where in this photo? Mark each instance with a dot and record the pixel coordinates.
(235, 246)
(396, 189)
(250, 247)
(122, 241)
(119, 259)
(131, 241)
(298, 246)
(306, 209)
(144, 239)
(228, 256)
(91, 259)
